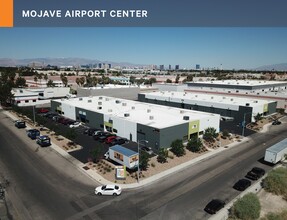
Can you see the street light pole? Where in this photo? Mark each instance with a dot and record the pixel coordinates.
(138, 173)
(34, 114)
(244, 122)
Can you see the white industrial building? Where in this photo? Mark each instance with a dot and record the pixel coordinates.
(231, 108)
(159, 125)
(29, 97)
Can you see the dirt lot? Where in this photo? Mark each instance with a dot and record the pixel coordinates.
(271, 203)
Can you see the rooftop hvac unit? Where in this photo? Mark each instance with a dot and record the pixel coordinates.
(247, 104)
(118, 101)
(223, 97)
(255, 101)
(195, 95)
(133, 107)
(100, 103)
(124, 104)
(107, 99)
(148, 110)
(151, 117)
(99, 107)
(100, 97)
(80, 99)
(89, 100)
(181, 111)
(126, 114)
(211, 97)
(186, 118)
(110, 110)
(231, 99)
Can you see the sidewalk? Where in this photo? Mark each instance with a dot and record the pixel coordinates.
(97, 177)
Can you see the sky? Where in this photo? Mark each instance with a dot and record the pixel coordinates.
(234, 48)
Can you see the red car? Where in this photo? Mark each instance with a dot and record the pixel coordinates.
(43, 110)
(110, 139)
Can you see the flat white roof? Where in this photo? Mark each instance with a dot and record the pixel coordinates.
(110, 86)
(241, 82)
(205, 98)
(148, 114)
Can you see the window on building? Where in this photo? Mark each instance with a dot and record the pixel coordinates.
(115, 130)
(18, 102)
(118, 156)
(101, 126)
(34, 100)
(26, 101)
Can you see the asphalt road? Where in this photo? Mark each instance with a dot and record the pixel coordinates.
(46, 186)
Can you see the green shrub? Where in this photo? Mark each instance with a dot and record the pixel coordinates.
(247, 208)
(194, 144)
(162, 155)
(276, 216)
(177, 148)
(276, 182)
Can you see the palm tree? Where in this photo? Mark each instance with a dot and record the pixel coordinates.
(36, 80)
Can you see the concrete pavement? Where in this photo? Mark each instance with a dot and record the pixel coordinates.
(97, 177)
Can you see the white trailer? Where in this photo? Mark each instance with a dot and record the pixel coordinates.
(123, 156)
(277, 152)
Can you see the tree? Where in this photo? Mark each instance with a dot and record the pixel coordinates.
(162, 155)
(82, 80)
(50, 83)
(46, 77)
(194, 144)
(36, 80)
(258, 117)
(64, 80)
(177, 78)
(152, 80)
(168, 81)
(177, 148)
(210, 133)
(20, 82)
(132, 80)
(225, 133)
(247, 207)
(144, 159)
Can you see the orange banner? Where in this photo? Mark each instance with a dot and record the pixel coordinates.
(6, 13)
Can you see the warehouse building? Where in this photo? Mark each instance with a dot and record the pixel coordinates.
(240, 84)
(118, 91)
(159, 125)
(230, 108)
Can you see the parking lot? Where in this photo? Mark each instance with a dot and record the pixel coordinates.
(87, 142)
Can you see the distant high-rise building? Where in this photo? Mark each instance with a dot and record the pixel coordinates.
(110, 66)
(176, 67)
(169, 67)
(100, 66)
(161, 67)
(197, 66)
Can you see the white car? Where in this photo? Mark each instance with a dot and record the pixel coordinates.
(76, 124)
(112, 190)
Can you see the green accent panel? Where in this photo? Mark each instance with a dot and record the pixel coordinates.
(108, 124)
(265, 108)
(193, 127)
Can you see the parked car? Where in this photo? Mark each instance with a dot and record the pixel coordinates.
(50, 115)
(147, 150)
(44, 141)
(20, 124)
(56, 118)
(214, 206)
(118, 140)
(90, 131)
(43, 110)
(242, 184)
(98, 134)
(276, 122)
(255, 174)
(110, 139)
(103, 137)
(108, 190)
(33, 133)
(75, 124)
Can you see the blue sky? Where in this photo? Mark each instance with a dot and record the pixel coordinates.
(209, 47)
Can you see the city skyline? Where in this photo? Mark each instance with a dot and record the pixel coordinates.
(234, 48)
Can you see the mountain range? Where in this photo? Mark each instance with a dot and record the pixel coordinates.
(278, 67)
(61, 62)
